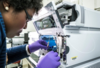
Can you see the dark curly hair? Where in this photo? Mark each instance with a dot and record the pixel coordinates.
(20, 5)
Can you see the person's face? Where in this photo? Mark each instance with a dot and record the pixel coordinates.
(16, 21)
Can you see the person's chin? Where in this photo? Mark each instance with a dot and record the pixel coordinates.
(10, 36)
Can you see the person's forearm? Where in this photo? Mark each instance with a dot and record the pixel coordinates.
(16, 53)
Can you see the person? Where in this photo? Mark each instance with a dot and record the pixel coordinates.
(14, 15)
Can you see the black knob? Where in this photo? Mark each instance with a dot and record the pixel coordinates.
(67, 49)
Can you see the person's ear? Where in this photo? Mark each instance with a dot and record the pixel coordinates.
(6, 6)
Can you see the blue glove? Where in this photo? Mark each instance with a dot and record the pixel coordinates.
(50, 60)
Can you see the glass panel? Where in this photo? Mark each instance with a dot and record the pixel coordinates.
(45, 23)
(34, 57)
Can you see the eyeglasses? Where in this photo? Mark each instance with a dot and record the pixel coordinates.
(28, 17)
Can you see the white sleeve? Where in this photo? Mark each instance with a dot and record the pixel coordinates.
(27, 50)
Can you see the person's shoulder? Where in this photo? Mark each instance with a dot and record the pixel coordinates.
(0, 25)
(0, 15)
(1, 19)
(0, 28)
(0, 37)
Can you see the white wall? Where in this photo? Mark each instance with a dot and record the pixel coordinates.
(92, 4)
(97, 4)
(88, 3)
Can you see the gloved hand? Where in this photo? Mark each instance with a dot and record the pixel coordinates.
(40, 44)
(50, 60)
